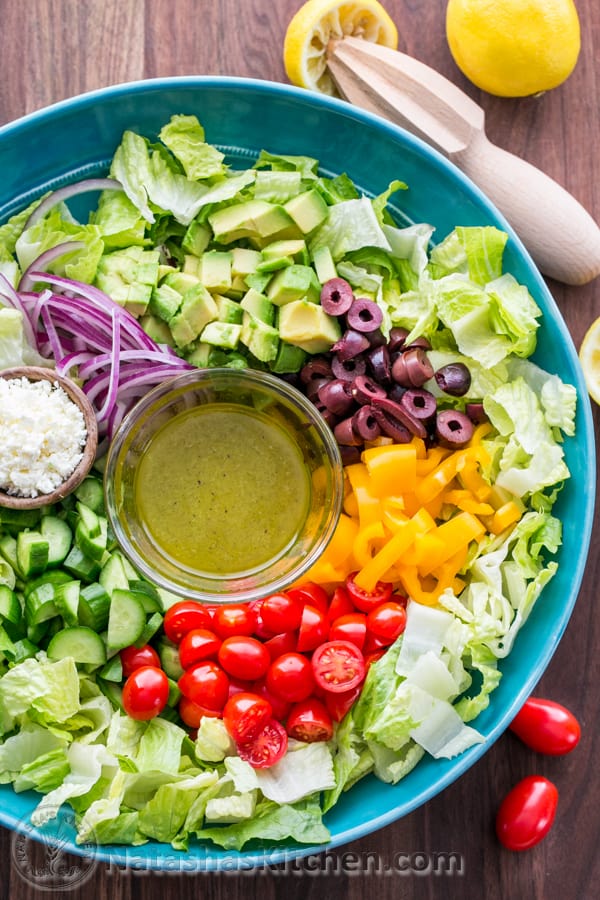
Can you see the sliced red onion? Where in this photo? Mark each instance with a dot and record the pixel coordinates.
(44, 259)
(71, 190)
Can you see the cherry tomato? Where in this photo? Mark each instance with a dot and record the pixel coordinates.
(339, 704)
(234, 620)
(371, 658)
(265, 748)
(310, 593)
(280, 613)
(290, 676)
(527, 812)
(387, 621)
(260, 629)
(133, 658)
(351, 627)
(246, 714)
(145, 693)
(374, 643)
(184, 616)
(279, 706)
(197, 645)
(546, 727)
(338, 666)
(192, 714)
(244, 657)
(282, 643)
(206, 684)
(237, 687)
(309, 721)
(313, 629)
(340, 605)
(365, 601)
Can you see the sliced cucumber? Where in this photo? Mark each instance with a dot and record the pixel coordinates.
(93, 546)
(113, 575)
(66, 597)
(19, 518)
(147, 594)
(32, 552)
(10, 608)
(59, 537)
(150, 628)
(113, 670)
(94, 605)
(40, 605)
(169, 659)
(126, 620)
(80, 643)
(8, 551)
(174, 693)
(7, 574)
(24, 649)
(80, 565)
(113, 691)
(91, 493)
(89, 519)
(54, 576)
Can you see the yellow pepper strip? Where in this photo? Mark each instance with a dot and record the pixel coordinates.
(468, 503)
(431, 460)
(392, 469)
(364, 542)
(369, 507)
(411, 583)
(393, 517)
(339, 548)
(392, 550)
(446, 573)
(351, 505)
(503, 517)
(324, 572)
(412, 505)
(458, 532)
(479, 433)
(424, 546)
(419, 445)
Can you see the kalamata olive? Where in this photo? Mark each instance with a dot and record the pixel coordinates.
(364, 390)
(348, 369)
(419, 403)
(336, 296)
(317, 367)
(365, 424)
(380, 364)
(421, 342)
(418, 368)
(336, 395)
(376, 338)
(453, 427)
(400, 372)
(391, 427)
(314, 386)
(352, 343)
(476, 413)
(397, 338)
(398, 412)
(350, 454)
(364, 315)
(396, 392)
(344, 433)
(330, 417)
(453, 379)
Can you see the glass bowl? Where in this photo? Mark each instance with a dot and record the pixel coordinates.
(223, 485)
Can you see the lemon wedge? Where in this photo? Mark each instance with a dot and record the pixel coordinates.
(318, 22)
(589, 356)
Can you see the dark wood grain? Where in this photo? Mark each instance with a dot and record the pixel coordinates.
(52, 49)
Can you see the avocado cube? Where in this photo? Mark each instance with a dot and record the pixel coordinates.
(259, 305)
(293, 283)
(128, 277)
(228, 310)
(279, 249)
(164, 302)
(308, 326)
(191, 265)
(250, 219)
(237, 289)
(181, 281)
(289, 359)
(215, 270)
(324, 264)
(197, 309)
(258, 281)
(261, 339)
(196, 239)
(198, 356)
(222, 334)
(244, 260)
(157, 329)
(308, 210)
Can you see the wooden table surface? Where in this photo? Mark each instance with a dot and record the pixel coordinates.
(53, 49)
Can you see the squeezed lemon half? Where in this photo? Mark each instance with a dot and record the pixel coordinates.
(589, 356)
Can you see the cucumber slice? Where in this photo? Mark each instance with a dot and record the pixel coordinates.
(174, 693)
(32, 552)
(40, 605)
(35, 633)
(169, 659)
(113, 691)
(147, 594)
(150, 628)
(59, 537)
(19, 518)
(10, 608)
(7, 574)
(126, 620)
(93, 546)
(80, 643)
(113, 670)
(66, 597)
(80, 565)
(132, 574)
(113, 575)
(8, 551)
(91, 493)
(24, 649)
(94, 606)
(54, 576)
(88, 519)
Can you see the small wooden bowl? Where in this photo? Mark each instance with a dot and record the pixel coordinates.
(36, 373)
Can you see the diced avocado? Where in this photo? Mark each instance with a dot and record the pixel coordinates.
(181, 281)
(191, 265)
(199, 355)
(277, 249)
(157, 329)
(308, 326)
(308, 210)
(228, 310)
(324, 264)
(222, 334)
(259, 306)
(215, 270)
(197, 310)
(258, 281)
(128, 277)
(231, 359)
(289, 359)
(164, 302)
(294, 283)
(261, 339)
(244, 261)
(196, 239)
(250, 219)
(237, 288)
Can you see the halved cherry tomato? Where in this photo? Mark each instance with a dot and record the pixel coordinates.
(365, 601)
(234, 620)
(371, 658)
(290, 677)
(338, 666)
(314, 629)
(281, 612)
(374, 643)
(244, 657)
(387, 621)
(246, 714)
(280, 706)
(546, 727)
(282, 643)
(310, 593)
(340, 605)
(133, 658)
(237, 687)
(184, 616)
(145, 693)
(527, 812)
(206, 684)
(192, 714)
(339, 704)
(265, 748)
(260, 629)
(309, 721)
(198, 644)
(351, 627)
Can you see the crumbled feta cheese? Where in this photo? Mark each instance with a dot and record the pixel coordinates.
(42, 436)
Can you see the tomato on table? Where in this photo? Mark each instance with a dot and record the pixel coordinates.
(290, 677)
(184, 616)
(233, 620)
(197, 645)
(245, 714)
(244, 657)
(133, 658)
(546, 727)
(309, 721)
(281, 612)
(526, 814)
(206, 684)
(266, 747)
(365, 601)
(145, 693)
(338, 666)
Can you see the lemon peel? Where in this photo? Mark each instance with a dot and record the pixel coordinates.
(589, 357)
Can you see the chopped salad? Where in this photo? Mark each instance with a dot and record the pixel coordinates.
(442, 549)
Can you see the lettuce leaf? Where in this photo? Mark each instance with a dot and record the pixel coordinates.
(301, 822)
(184, 136)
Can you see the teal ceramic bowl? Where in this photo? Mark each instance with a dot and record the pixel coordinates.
(78, 138)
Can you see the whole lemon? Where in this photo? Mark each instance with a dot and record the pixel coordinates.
(514, 48)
